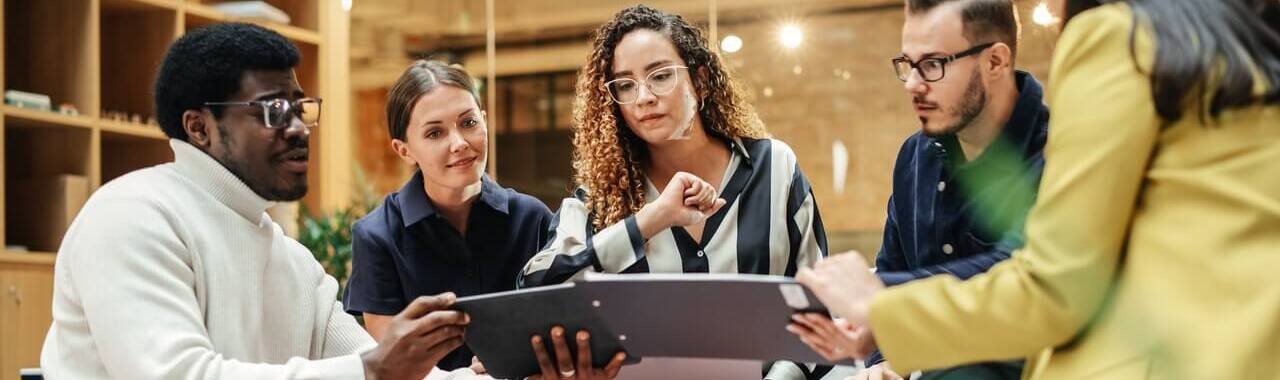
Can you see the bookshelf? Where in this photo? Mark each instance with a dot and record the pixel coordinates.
(101, 56)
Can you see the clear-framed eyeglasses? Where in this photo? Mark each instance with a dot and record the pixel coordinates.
(278, 113)
(659, 82)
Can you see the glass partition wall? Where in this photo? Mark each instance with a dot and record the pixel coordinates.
(817, 71)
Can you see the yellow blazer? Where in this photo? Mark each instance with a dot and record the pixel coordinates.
(1151, 253)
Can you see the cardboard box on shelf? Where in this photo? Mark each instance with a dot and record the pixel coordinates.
(39, 210)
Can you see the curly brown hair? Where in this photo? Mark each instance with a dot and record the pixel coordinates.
(607, 155)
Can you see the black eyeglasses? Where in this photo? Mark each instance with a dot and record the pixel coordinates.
(278, 113)
(932, 69)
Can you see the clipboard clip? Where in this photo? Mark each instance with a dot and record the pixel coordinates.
(793, 295)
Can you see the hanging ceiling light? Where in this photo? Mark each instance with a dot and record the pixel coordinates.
(1042, 16)
(731, 44)
(790, 36)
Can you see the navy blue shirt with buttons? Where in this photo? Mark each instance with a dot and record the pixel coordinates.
(960, 218)
(405, 249)
(949, 216)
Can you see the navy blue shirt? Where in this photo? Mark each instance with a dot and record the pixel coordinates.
(950, 216)
(405, 249)
(960, 218)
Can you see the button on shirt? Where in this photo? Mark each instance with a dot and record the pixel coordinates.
(768, 225)
(950, 216)
(960, 218)
(405, 249)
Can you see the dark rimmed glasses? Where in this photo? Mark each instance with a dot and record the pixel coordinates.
(935, 68)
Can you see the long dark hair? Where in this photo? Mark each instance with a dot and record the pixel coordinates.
(1229, 43)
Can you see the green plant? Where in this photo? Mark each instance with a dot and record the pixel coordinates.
(328, 235)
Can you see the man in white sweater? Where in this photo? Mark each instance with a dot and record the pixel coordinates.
(177, 272)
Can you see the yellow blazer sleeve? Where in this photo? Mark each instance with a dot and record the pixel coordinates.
(1101, 135)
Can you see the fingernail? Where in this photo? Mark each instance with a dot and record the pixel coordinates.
(537, 339)
(583, 336)
(557, 332)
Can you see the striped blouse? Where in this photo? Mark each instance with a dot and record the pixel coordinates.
(768, 225)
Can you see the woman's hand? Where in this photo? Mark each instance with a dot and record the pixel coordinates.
(686, 200)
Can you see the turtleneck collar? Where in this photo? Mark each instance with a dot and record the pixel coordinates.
(208, 174)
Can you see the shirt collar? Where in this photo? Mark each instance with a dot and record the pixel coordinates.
(209, 174)
(1027, 124)
(736, 145)
(494, 195)
(1025, 129)
(416, 206)
(736, 148)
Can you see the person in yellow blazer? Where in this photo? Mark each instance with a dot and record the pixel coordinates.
(1153, 250)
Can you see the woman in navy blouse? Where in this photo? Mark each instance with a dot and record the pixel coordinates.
(450, 228)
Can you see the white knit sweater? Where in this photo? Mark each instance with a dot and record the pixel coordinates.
(177, 272)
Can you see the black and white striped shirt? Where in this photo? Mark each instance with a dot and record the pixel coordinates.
(768, 225)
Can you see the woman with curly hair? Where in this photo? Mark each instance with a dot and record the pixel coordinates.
(656, 109)
(675, 171)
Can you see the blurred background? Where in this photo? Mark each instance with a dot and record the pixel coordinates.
(817, 71)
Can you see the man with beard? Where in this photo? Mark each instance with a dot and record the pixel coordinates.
(963, 184)
(177, 272)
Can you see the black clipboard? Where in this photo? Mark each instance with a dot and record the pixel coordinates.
(502, 324)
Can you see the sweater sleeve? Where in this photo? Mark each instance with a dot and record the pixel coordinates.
(343, 335)
(137, 289)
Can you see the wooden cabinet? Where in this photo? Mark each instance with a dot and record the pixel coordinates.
(26, 295)
(101, 56)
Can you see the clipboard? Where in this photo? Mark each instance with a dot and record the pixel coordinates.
(713, 316)
(502, 324)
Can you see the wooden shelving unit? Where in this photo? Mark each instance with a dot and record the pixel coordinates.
(102, 56)
(37, 258)
(37, 118)
(131, 129)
